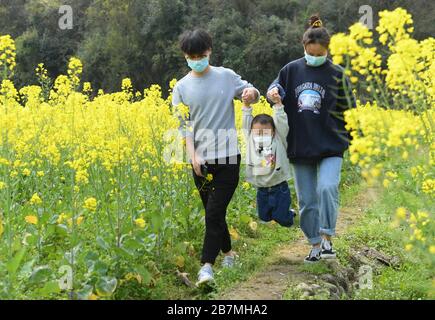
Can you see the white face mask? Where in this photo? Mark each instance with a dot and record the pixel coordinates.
(262, 141)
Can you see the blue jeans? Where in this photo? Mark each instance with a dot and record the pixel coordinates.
(273, 203)
(318, 196)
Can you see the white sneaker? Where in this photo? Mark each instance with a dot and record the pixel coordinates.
(327, 251)
(205, 275)
(229, 261)
(314, 256)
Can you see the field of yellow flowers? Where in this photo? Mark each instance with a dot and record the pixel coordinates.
(88, 193)
(393, 126)
(93, 205)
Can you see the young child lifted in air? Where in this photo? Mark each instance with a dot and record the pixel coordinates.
(267, 165)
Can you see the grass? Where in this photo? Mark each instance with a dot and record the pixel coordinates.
(412, 278)
(255, 250)
(316, 268)
(253, 253)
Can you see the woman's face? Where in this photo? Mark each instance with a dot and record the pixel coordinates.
(316, 50)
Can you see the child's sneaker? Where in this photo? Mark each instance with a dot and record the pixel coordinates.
(314, 256)
(205, 275)
(229, 261)
(327, 251)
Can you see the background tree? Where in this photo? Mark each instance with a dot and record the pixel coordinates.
(139, 39)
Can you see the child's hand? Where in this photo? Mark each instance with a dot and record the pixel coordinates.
(245, 102)
(248, 96)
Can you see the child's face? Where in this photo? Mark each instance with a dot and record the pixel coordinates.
(259, 129)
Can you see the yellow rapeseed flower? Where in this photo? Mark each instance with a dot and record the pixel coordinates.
(35, 199)
(140, 222)
(401, 213)
(32, 219)
(90, 204)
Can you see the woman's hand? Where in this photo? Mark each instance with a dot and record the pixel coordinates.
(273, 95)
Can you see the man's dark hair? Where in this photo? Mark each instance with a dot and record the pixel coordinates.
(195, 42)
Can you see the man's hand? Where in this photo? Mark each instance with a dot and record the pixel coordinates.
(273, 95)
(197, 161)
(249, 95)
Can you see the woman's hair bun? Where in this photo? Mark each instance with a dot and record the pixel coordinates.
(315, 21)
(316, 32)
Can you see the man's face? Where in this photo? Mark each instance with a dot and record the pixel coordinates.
(199, 56)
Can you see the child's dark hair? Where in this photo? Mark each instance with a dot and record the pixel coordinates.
(316, 32)
(195, 42)
(263, 119)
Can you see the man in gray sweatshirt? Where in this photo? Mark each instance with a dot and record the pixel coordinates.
(211, 140)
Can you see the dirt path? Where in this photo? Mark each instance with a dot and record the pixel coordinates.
(283, 266)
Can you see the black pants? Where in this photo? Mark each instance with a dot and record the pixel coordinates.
(216, 195)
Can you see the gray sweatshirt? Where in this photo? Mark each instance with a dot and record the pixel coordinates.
(267, 168)
(211, 119)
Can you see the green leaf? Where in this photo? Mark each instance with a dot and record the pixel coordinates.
(156, 221)
(123, 252)
(31, 239)
(106, 286)
(244, 218)
(14, 263)
(99, 267)
(44, 216)
(145, 274)
(40, 274)
(62, 230)
(49, 287)
(84, 293)
(103, 244)
(132, 244)
(50, 230)
(90, 258)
